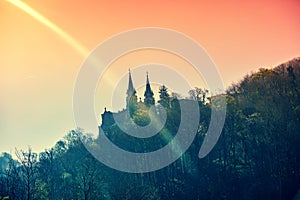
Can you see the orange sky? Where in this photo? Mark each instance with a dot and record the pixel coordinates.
(38, 67)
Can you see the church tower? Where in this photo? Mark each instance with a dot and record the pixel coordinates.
(131, 98)
(149, 96)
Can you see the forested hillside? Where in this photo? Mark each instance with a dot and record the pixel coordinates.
(257, 155)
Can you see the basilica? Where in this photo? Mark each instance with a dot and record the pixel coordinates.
(132, 103)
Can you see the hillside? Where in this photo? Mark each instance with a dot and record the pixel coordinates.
(256, 157)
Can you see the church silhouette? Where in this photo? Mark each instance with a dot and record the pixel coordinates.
(132, 104)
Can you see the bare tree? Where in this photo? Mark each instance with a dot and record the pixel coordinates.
(28, 161)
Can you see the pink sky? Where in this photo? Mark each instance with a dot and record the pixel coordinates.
(38, 67)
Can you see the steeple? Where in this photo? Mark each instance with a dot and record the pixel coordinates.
(147, 79)
(149, 99)
(130, 90)
(131, 93)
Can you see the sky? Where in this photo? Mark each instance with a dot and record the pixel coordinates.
(41, 54)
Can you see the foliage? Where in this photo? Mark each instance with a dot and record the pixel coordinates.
(257, 155)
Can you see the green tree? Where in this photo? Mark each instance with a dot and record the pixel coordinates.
(164, 96)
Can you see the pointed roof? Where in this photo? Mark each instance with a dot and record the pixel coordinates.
(147, 81)
(148, 91)
(149, 99)
(130, 90)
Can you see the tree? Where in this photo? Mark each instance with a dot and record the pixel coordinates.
(198, 94)
(28, 161)
(164, 96)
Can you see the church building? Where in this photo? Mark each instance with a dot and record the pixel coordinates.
(131, 101)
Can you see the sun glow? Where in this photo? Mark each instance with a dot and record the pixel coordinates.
(65, 36)
(46, 22)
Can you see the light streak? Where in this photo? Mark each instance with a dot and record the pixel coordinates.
(46, 22)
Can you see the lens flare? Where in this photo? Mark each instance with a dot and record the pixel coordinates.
(46, 22)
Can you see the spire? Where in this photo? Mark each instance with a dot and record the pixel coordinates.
(130, 90)
(131, 98)
(149, 99)
(147, 81)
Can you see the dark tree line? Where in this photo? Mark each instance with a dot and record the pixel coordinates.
(257, 155)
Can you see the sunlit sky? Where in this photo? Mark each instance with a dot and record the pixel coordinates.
(40, 57)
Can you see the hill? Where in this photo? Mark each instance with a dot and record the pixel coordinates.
(256, 157)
